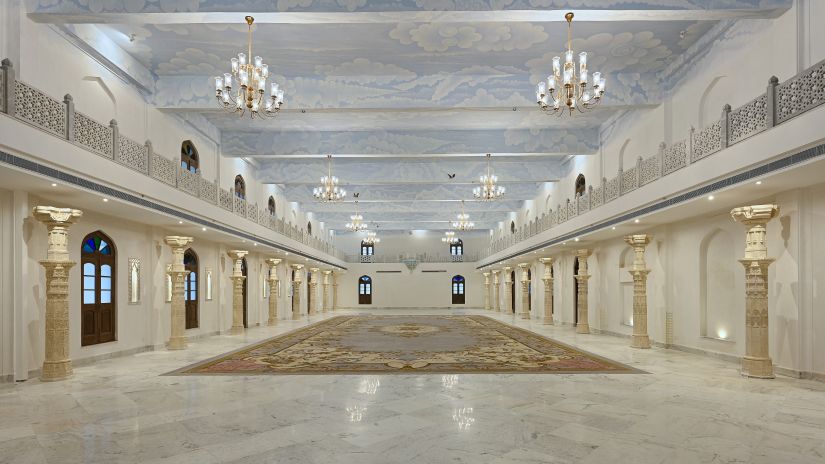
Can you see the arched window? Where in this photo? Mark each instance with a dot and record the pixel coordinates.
(309, 228)
(190, 262)
(581, 185)
(365, 290)
(457, 248)
(367, 249)
(271, 206)
(189, 160)
(512, 227)
(98, 310)
(240, 187)
(458, 289)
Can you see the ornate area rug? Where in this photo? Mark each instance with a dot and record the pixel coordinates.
(407, 344)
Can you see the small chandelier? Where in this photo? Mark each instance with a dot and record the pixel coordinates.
(356, 223)
(488, 191)
(329, 190)
(565, 86)
(449, 237)
(371, 238)
(463, 222)
(251, 80)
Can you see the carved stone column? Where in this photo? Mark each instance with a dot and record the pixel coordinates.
(525, 291)
(296, 291)
(335, 275)
(486, 290)
(237, 290)
(326, 291)
(313, 291)
(582, 326)
(639, 271)
(496, 291)
(547, 279)
(273, 290)
(56, 364)
(757, 360)
(508, 290)
(177, 271)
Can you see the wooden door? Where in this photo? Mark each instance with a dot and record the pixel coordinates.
(365, 290)
(458, 289)
(190, 262)
(98, 322)
(245, 285)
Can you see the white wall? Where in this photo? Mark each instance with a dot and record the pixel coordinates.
(416, 242)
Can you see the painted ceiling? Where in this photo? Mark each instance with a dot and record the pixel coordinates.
(406, 92)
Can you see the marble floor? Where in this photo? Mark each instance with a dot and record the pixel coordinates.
(689, 409)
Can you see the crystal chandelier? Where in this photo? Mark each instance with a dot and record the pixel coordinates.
(371, 238)
(329, 190)
(463, 220)
(250, 79)
(449, 237)
(565, 86)
(356, 223)
(488, 191)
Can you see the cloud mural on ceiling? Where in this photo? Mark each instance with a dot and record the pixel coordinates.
(364, 71)
(484, 37)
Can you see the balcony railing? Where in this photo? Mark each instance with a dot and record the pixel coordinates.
(779, 103)
(419, 258)
(59, 118)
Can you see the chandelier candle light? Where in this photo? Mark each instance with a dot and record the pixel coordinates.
(463, 222)
(372, 238)
(449, 237)
(250, 79)
(356, 223)
(567, 87)
(488, 191)
(329, 190)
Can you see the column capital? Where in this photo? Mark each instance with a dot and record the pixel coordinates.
(524, 270)
(237, 254)
(57, 221)
(583, 253)
(177, 241)
(51, 215)
(639, 242)
(496, 272)
(546, 261)
(297, 267)
(272, 262)
(327, 272)
(754, 214)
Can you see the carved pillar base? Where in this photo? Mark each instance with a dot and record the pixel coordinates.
(548, 302)
(325, 298)
(583, 325)
(525, 300)
(640, 338)
(757, 361)
(177, 338)
(57, 365)
(237, 305)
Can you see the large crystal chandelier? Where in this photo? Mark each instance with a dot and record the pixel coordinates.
(356, 223)
(565, 86)
(463, 220)
(329, 191)
(488, 191)
(250, 85)
(449, 237)
(371, 239)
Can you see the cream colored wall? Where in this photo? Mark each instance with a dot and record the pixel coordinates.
(412, 243)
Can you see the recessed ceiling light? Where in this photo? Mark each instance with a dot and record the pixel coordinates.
(105, 200)
(758, 182)
(180, 222)
(576, 239)
(254, 244)
(286, 253)
(711, 197)
(614, 227)
(564, 243)
(203, 229)
(636, 221)
(54, 185)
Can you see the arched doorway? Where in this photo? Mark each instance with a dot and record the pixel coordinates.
(529, 290)
(240, 187)
(575, 291)
(190, 263)
(98, 313)
(309, 292)
(581, 185)
(513, 291)
(458, 289)
(365, 290)
(457, 248)
(189, 160)
(245, 273)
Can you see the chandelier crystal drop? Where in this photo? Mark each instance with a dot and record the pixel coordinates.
(329, 191)
(463, 220)
(250, 78)
(356, 223)
(372, 238)
(449, 237)
(488, 191)
(567, 87)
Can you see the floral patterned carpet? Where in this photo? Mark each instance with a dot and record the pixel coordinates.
(407, 344)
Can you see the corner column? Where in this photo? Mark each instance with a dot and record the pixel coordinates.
(325, 289)
(508, 290)
(237, 290)
(547, 279)
(273, 290)
(313, 288)
(335, 290)
(496, 291)
(583, 326)
(486, 290)
(757, 360)
(525, 291)
(56, 364)
(296, 291)
(177, 271)
(639, 271)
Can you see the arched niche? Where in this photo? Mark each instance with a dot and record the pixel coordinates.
(717, 285)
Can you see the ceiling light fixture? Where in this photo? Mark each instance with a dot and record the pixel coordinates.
(758, 182)
(371, 238)
(636, 221)
(711, 197)
(356, 223)
(329, 191)
(449, 237)
(105, 200)
(463, 220)
(54, 185)
(251, 83)
(566, 87)
(488, 191)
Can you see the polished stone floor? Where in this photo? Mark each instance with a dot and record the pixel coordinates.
(689, 409)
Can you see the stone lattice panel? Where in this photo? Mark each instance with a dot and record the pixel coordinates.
(583, 203)
(800, 93)
(93, 135)
(2, 91)
(239, 206)
(571, 210)
(226, 199)
(707, 141)
(252, 212)
(597, 197)
(675, 157)
(163, 169)
(135, 155)
(612, 191)
(748, 119)
(208, 191)
(562, 214)
(188, 181)
(40, 109)
(629, 180)
(650, 170)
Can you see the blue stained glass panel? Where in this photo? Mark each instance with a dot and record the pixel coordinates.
(106, 270)
(88, 283)
(88, 297)
(105, 283)
(105, 296)
(89, 269)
